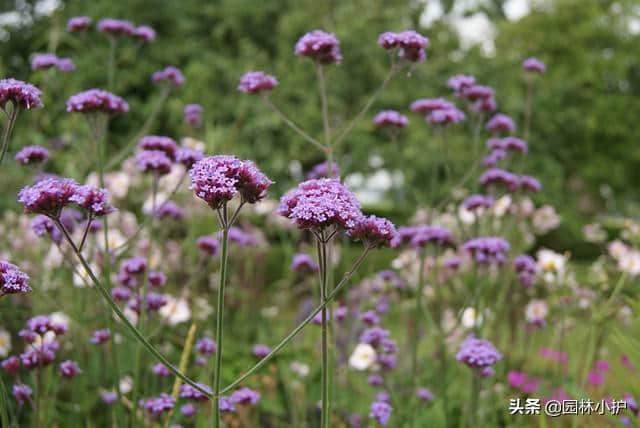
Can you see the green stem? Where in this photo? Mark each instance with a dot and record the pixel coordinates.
(475, 398)
(345, 279)
(219, 317)
(112, 62)
(105, 294)
(322, 256)
(6, 138)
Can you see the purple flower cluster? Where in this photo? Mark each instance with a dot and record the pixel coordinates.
(373, 231)
(530, 184)
(500, 176)
(390, 118)
(321, 170)
(322, 47)
(261, 351)
(21, 94)
(31, 155)
(446, 116)
(161, 143)
(169, 210)
(158, 405)
(526, 269)
(255, 82)
(493, 158)
(419, 237)
(154, 161)
(78, 23)
(43, 225)
(12, 279)
(209, 244)
(193, 115)
(303, 263)
(460, 82)
(187, 156)
(22, 393)
(245, 396)
(381, 412)
(217, 179)
(427, 105)
(206, 346)
(316, 204)
(50, 195)
(170, 75)
(69, 369)
(487, 249)
(534, 65)
(410, 44)
(522, 381)
(188, 391)
(46, 61)
(501, 123)
(96, 100)
(145, 34)
(99, 337)
(477, 92)
(475, 202)
(478, 353)
(116, 27)
(507, 144)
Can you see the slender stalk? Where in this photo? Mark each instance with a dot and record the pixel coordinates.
(111, 70)
(292, 124)
(105, 294)
(124, 152)
(385, 82)
(219, 318)
(345, 279)
(528, 107)
(322, 257)
(325, 105)
(6, 138)
(184, 361)
(475, 398)
(86, 232)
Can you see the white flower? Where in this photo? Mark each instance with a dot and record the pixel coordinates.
(594, 233)
(53, 258)
(81, 277)
(301, 369)
(466, 216)
(202, 308)
(630, 263)
(130, 315)
(48, 337)
(501, 206)
(536, 311)
(551, 265)
(60, 318)
(545, 219)
(269, 312)
(617, 249)
(115, 238)
(363, 357)
(5, 343)
(192, 143)
(126, 384)
(176, 310)
(470, 318)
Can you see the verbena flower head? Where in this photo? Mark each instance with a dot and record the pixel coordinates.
(169, 210)
(206, 346)
(116, 27)
(478, 353)
(370, 318)
(488, 249)
(320, 46)
(188, 410)
(69, 369)
(120, 294)
(240, 237)
(245, 396)
(154, 301)
(460, 82)
(390, 118)
(255, 82)
(12, 279)
(44, 61)
(321, 170)
(92, 199)
(43, 225)
(66, 64)
(427, 105)
(78, 23)
(160, 370)
(424, 394)
(188, 391)
(187, 156)
(493, 158)
(500, 176)
(158, 142)
(217, 179)
(475, 202)
(158, 405)
(96, 100)
(21, 392)
(411, 45)
(47, 196)
(419, 237)
(145, 34)
(31, 155)
(98, 337)
(529, 183)
(373, 231)
(22, 94)
(477, 92)
(155, 161)
(508, 143)
(501, 123)
(226, 405)
(534, 65)
(193, 115)
(446, 116)
(170, 74)
(320, 203)
(303, 263)
(11, 365)
(484, 105)
(381, 412)
(209, 244)
(261, 351)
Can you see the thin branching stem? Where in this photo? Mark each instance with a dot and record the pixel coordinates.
(291, 124)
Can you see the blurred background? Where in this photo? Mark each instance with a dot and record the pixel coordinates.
(584, 141)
